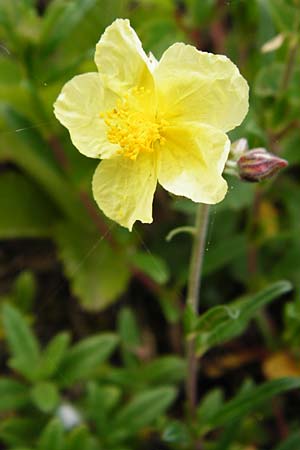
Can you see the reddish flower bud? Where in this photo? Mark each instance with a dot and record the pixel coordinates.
(258, 164)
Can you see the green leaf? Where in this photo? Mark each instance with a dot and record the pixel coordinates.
(10, 73)
(289, 144)
(22, 448)
(85, 357)
(177, 433)
(210, 404)
(158, 33)
(45, 396)
(25, 211)
(62, 22)
(18, 22)
(284, 13)
(268, 80)
(217, 325)
(15, 431)
(101, 400)
(152, 265)
(221, 323)
(240, 195)
(223, 253)
(228, 436)
(29, 150)
(53, 355)
(292, 324)
(130, 336)
(249, 401)
(201, 12)
(91, 265)
(268, 84)
(52, 436)
(24, 290)
(13, 395)
(291, 443)
(22, 342)
(143, 410)
(78, 439)
(163, 370)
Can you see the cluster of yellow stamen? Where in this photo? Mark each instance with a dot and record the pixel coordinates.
(130, 128)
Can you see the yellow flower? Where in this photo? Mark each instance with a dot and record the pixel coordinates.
(152, 122)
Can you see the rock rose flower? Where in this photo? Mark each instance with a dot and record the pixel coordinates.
(152, 122)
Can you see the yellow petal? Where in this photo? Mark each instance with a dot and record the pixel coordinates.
(124, 188)
(78, 108)
(192, 161)
(121, 60)
(202, 87)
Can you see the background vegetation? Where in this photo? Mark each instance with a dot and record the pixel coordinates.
(92, 340)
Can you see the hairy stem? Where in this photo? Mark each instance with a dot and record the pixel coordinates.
(193, 300)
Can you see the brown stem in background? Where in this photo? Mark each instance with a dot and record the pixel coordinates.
(95, 216)
(218, 30)
(59, 153)
(283, 429)
(274, 138)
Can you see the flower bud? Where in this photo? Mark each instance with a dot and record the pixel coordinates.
(258, 164)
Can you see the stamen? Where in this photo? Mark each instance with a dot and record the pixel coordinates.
(128, 127)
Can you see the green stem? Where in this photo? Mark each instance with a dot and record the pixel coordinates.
(193, 300)
(290, 65)
(292, 57)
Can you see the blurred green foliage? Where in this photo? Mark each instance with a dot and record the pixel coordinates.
(132, 284)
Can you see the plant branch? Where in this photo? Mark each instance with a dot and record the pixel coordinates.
(290, 65)
(193, 299)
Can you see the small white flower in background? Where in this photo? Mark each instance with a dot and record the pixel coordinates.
(69, 416)
(273, 44)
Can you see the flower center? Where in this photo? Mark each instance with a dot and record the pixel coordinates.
(131, 128)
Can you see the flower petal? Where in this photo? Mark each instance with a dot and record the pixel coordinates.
(202, 87)
(124, 188)
(78, 108)
(192, 161)
(121, 60)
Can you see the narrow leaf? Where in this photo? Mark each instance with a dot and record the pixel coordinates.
(16, 431)
(78, 439)
(153, 265)
(22, 342)
(52, 436)
(86, 356)
(65, 22)
(143, 410)
(25, 210)
(130, 336)
(247, 402)
(13, 394)
(166, 369)
(53, 355)
(222, 323)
